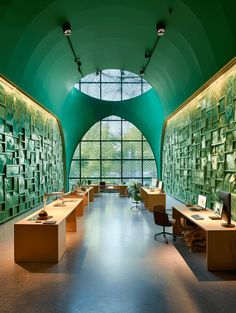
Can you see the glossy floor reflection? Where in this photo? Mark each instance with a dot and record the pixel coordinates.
(113, 265)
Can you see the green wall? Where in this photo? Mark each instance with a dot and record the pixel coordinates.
(114, 34)
(199, 151)
(81, 112)
(31, 153)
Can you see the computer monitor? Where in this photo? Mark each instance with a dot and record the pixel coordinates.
(74, 187)
(218, 208)
(160, 184)
(201, 201)
(153, 182)
(225, 197)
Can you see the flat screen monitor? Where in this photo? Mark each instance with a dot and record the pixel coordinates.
(202, 201)
(225, 198)
(160, 184)
(218, 208)
(74, 187)
(153, 182)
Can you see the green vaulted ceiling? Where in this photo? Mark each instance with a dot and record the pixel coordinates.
(34, 54)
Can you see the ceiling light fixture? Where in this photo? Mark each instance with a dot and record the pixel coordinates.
(160, 28)
(66, 29)
(67, 32)
(141, 73)
(147, 54)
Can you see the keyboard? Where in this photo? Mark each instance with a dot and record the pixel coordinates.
(215, 217)
(197, 217)
(195, 209)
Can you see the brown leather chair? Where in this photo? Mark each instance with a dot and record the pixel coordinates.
(162, 218)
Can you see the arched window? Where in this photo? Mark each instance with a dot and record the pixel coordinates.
(113, 150)
(113, 85)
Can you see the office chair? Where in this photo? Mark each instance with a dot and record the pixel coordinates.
(102, 185)
(161, 218)
(137, 200)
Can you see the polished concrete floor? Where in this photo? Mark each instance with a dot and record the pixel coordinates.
(114, 265)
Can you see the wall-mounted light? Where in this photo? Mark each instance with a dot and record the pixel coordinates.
(141, 73)
(66, 29)
(160, 28)
(67, 32)
(147, 54)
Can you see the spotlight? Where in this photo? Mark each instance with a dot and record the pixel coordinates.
(78, 62)
(141, 73)
(66, 29)
(147, 54)
(160, 28)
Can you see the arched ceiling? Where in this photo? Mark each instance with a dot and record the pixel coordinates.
(200, 38)
(34, 55)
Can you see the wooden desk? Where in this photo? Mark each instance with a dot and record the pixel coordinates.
(119, 188)
(79, 194)
(38, 242)
(152, 197)
(96, 188)
(220, 241)
(123, 191)
(91, 193)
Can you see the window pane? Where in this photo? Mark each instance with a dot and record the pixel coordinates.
(94, 77)
(93, 133)
(75, 169)
(111, 150)
(111, 168)
(149, 169)
(130, 91)
(111, 92)
(147, 181)
(90, 169)
(132, 168)
(111, 130)
(112, 117)
(132, 150)
(72, 182)
(146, 87)
(114, 181)
(90, 150)
(76, 153)
(137, 180)
(147, 151)
(91, 89)
(107, 85)
(130, 132)
(111, 76)
(129, 77)
(111, 147)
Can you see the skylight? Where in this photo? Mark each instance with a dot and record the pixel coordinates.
(113, 85)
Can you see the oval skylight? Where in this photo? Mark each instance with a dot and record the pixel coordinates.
(113, 85)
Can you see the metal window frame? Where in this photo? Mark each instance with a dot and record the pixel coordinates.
(122, 82)
(122, 177)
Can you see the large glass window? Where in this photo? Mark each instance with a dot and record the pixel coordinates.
(115, 151)
(113, 85)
